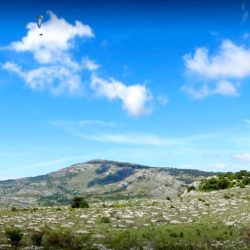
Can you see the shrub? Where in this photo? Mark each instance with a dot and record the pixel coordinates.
(246, 181)
(173, 234)
(14, 235)
(79, 202)
(181, 234)
(37, 237)
(226, 180)
(13, 209)
(191, 188)
(241, 185)
(105, 219)
(124, 240)
(246, 235)
(62, 239)
(168, 198)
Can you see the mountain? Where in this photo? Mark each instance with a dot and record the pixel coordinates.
(97, 179)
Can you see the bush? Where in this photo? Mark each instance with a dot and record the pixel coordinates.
(13, 209)
(14, 235)
(168, 198)
(246, 235)
(124, 240)
(226, 180)
(37, 237)
(79, 202)
(181, 234)
(246, 181)
(62, 239)
(105, 219)
(173, 234)
(227, 196)
(241, 185)
(191, 188)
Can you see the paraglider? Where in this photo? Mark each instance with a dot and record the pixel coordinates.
(39, 23)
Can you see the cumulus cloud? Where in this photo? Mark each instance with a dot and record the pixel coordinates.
(231, 61)
(57, 79)
(227, 88)
(223, 87)
(58, 36)
(89, 64)
(242, 158)
(221, 70)
(135, 98)
(57, 71)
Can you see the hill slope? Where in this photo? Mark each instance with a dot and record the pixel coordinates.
(97, 179)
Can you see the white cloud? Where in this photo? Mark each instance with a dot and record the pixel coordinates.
(222, 87)
(197, 93)
(135, 98)
(110, 132)
(230, 63)
(58, 37)
(89, 64)
(103, 131)
(55, 69)
(227, 88)
(56, 72)
(130, 138)
(83, 123)
(163, 100)
(96, 122)
(57, 79)
(242, 158)
(244, 11)
(247, 121)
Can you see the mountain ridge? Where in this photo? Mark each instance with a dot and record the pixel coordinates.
(97, 179)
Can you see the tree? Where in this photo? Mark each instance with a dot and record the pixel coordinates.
(79, 202)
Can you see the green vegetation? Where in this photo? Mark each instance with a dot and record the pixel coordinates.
(62, 239)
(226, 180)
(36, 238)
(13, 209)
(191, 188)
(134, 224)
(105, 219)
(14, 235)
(194, 220)
(171, 237)
(79, 202)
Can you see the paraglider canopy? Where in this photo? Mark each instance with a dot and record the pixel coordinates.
(39, 22)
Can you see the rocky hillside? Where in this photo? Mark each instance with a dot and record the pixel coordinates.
(97, 179)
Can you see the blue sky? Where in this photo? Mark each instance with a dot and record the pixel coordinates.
(160, 83)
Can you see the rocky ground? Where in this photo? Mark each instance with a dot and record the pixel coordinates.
(214, 220)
